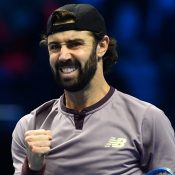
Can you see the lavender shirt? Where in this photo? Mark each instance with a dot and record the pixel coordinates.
(119, 135)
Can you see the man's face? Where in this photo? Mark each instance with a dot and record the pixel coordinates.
(72, 58)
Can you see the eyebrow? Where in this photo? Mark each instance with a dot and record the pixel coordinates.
(68, 41)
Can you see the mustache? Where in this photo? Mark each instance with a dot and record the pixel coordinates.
(67, 63)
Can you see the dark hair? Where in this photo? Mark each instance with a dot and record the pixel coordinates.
(111, 55)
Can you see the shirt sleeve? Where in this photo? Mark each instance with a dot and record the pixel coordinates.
(158, 140)
(19, 149)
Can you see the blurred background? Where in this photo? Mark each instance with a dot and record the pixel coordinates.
(145, 31)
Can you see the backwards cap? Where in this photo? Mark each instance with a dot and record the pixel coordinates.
(87, 18)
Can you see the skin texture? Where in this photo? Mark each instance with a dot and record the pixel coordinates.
(39, 142)
(78, 59)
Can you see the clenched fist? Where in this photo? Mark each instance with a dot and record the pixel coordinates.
(39, 144)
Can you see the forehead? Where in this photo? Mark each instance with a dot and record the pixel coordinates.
(70, 35)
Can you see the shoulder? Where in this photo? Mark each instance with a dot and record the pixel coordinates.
(133, 103)
(139, 108)
(46, 107)
(131, 100)
(29, 120)
(147, 116)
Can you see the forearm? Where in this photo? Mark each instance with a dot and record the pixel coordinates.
(27, 171)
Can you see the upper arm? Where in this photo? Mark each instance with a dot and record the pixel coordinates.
(18, 146)
(158, 140)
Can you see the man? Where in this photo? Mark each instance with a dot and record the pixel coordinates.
(92, 128)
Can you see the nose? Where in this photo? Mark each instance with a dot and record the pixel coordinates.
(65, 53)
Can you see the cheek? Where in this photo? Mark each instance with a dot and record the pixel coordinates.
(52, 62)
(83, 56)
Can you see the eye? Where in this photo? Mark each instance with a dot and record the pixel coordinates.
(54, 47)
(74, 44)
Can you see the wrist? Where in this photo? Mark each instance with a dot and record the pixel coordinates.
(36, 163)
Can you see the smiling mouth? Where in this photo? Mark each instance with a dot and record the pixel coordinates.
(68, 70)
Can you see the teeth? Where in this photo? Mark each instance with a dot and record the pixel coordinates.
(67, 70)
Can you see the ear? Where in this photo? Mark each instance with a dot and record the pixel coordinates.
(102, 46)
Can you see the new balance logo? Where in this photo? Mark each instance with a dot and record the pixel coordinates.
(116, 142)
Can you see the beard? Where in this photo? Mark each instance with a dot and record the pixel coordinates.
(85, 74)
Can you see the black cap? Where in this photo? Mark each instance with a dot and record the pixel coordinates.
(87, 18)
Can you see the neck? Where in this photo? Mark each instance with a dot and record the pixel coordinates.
(87, 96)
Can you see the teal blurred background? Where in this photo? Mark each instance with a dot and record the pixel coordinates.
(145, 31)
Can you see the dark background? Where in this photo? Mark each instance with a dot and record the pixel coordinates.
(144, 29)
